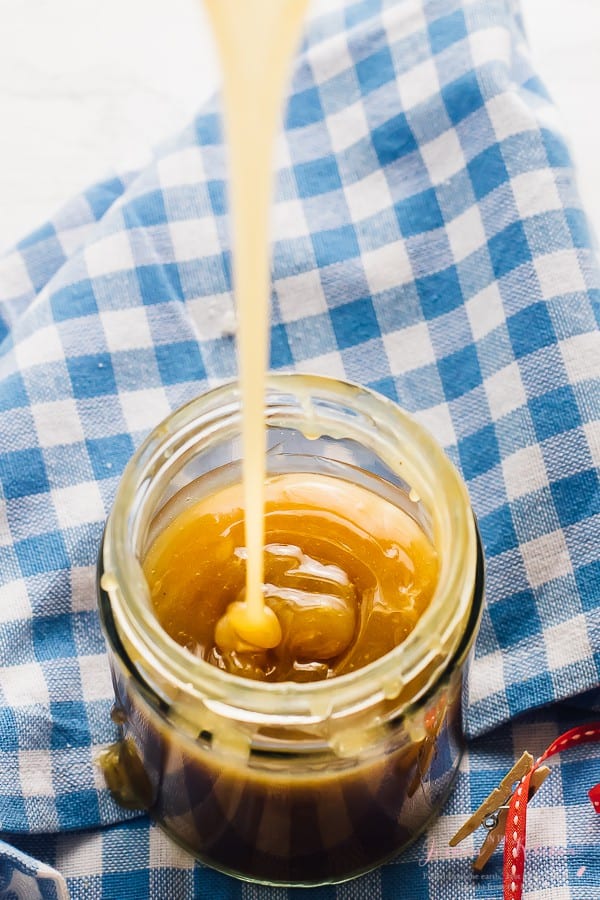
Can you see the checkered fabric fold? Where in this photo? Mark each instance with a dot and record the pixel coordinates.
(428, 241)
(22, 876)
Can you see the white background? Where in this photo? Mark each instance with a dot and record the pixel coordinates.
(86, 86)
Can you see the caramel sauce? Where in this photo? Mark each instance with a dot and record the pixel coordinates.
(346, 573)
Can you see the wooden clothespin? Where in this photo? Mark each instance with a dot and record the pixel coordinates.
(493, 812)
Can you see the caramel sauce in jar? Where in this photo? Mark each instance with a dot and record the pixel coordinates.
(316, 759)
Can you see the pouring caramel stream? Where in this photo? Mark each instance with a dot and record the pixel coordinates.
(255, 42)
(341, 576)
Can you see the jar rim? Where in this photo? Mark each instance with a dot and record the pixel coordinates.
(405, 446)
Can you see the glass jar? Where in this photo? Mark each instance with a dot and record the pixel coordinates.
(290, 783)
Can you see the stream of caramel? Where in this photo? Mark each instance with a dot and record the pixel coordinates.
(326, 576)
(256, 41)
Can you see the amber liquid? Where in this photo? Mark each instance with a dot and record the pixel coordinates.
(346, 572)
(281, 819)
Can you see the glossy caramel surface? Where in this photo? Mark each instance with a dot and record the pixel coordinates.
(347, 573)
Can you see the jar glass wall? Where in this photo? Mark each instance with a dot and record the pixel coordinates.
(290, 783)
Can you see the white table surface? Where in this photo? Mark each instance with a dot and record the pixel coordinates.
(88, 86)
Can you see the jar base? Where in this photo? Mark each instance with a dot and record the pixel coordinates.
(319, 882)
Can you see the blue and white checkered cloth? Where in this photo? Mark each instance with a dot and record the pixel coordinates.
(428, 241)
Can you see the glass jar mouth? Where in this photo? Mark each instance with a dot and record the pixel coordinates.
(325, 407)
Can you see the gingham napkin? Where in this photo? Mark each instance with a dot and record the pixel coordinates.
(428, 241)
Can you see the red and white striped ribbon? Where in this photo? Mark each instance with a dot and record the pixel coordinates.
(516, 823)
